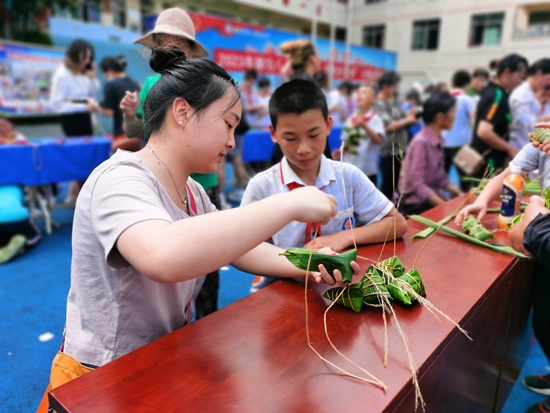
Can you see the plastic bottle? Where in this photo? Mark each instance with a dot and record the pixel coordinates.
(511, 196)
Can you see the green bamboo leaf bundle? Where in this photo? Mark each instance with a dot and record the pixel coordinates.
(352, 297)
(394, 266)
(299, 257)
(400, 294)
(374, 288)
(467, 238)
(540, 135)
(352, 139)
(476, 230)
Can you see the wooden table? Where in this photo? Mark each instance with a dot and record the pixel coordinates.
(252, 356)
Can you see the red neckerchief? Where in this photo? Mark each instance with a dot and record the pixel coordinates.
(456, 92)
(366, 119)
(349, 104)
(249, 94)
(311, 226)
(192, 203)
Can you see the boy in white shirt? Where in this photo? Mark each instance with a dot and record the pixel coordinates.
(371, 126)
(300, 125)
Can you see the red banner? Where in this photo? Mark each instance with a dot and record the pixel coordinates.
(241, 61)
(225, 27)
(358, 72)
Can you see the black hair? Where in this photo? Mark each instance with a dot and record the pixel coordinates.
(542, 65)
(296, 97)
(438, 102)
(264, 81)
(113, 64)
(480, 71)
(388, 78)
(513, 62)
(348, 86)
(251, 74)
(200, 82)
(78, 47)
(461, 78)
(322, 78)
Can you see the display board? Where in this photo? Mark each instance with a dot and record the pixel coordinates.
(26, 74)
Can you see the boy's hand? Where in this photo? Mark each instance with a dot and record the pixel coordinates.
(309, 204)
(479, 208)
(336, 242)
(323, 277)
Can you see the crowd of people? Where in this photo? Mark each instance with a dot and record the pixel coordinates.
(177, 130)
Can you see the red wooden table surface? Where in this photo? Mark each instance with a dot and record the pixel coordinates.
(252, 356)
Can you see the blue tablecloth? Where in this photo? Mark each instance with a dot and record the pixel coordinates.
(48, 160)
(258, 146)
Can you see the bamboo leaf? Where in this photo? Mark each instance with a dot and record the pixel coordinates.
(467, 238)
(299, 257)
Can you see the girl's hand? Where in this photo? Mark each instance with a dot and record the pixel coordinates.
(479, 208)
(130, 103)
(309, 204)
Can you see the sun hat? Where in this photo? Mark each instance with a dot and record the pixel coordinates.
(175, 22)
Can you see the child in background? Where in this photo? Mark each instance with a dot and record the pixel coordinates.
(300, 125)
(371, 126)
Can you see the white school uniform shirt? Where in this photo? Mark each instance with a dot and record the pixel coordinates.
(530, 159)
(368, 151)
(358, 198)
(525, 109)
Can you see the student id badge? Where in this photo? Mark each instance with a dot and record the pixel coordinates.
(349, 223)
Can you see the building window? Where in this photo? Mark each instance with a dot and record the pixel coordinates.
(425, 34)
(374, 1)
(373, 36)
(539, 23)
(486, 29)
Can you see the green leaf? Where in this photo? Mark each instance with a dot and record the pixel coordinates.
(374, 288)
(299, 257)
(464, 237)
(352, 297)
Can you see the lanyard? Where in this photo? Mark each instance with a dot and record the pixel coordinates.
(312, 227)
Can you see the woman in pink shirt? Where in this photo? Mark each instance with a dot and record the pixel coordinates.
(423, 181)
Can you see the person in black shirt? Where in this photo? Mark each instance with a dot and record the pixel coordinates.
(493, 117)
(118, 83)
(532, 237)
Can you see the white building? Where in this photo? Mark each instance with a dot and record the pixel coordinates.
(433, 38)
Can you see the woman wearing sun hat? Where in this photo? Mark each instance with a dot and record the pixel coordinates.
(174, 29)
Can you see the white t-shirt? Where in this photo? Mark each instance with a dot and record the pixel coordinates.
(112, 309)
(461, 132)
(334, 100)
(530, 159)
(67, 86)
(363, 202)
(263, 122)
(525, 109)
(368, 151)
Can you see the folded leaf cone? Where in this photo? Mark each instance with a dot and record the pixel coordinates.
(352, 297)
(299, 257)
(400, 293)
(476, 230)
(540, 135)
(374, 288)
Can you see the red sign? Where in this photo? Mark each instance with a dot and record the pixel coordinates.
(241, 61)
(358, 72)
(225, 27)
